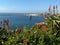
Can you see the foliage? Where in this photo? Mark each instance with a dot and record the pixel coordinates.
(36, 37)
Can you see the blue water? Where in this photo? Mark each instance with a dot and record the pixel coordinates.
(20, 20)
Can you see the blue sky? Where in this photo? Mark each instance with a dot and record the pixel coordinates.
(27, 6)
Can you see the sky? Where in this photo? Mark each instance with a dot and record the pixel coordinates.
(27, 6)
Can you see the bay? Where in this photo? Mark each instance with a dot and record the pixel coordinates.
(19, 19)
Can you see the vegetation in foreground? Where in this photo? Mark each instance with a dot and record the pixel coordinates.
(35, 36)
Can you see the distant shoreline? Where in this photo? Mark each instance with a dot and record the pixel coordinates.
(20, 14)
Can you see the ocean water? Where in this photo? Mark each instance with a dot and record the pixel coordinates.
(17, 19)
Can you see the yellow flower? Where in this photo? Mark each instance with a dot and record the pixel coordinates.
(2, 42)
